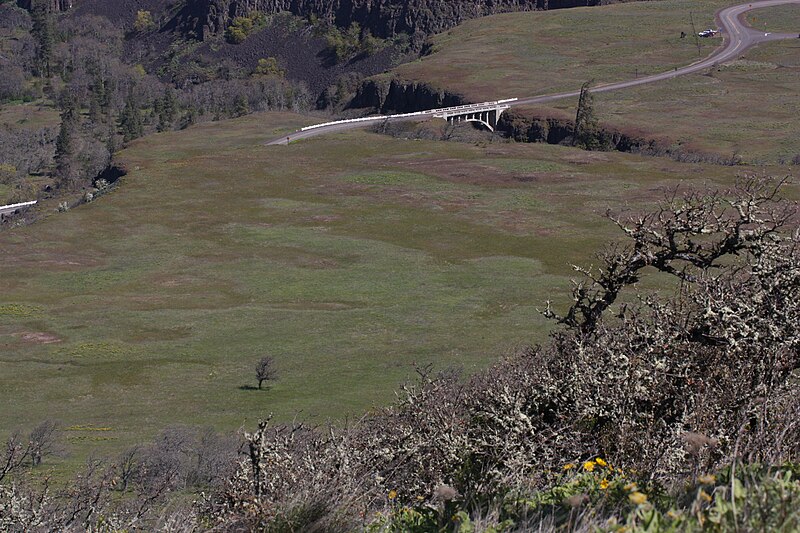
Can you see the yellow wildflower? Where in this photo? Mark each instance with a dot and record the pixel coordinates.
(674, 515)
(630, 487)
(589, 466)
(392, 494)
(705, 496)
(601, 462)
(708, 479)
(637, 497)
(604, 484)
(569, 466)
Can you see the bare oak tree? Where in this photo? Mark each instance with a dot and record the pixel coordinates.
(43, 441)
(265, 370)
(15, 453)
(689, 234)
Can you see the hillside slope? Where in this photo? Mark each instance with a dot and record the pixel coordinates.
(384, 18)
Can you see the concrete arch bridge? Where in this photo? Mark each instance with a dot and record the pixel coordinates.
(487, 113)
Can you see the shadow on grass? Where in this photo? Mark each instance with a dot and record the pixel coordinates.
(249, 387)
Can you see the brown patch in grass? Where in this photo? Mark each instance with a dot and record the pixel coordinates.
(175, 282)
(39, 337)
(586, 158)
(460, 171)
(326, 218)
(317, 306)
(544, 177)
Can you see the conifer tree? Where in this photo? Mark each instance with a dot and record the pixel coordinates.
(65, 142)
(167, 110)
(111, 137)
(42, 32)
(97, 100)
(585, 132)
(240, 106)
(190, 117)
(130, 121)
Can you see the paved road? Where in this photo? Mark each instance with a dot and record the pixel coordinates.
(738, 37)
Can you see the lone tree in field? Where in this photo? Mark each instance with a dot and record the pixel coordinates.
(265, 370)
(585, 132)
(43, 441)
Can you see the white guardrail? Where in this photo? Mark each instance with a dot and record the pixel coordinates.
(13, 207)
(376, 118)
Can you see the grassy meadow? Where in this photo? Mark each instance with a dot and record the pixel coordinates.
(29, 116)
(348, 258)
(778, 19)
(535, 53)
(541, 52)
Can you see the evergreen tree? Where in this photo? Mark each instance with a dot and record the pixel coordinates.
(109, 88)
(130, 121)
(97, 99)
(95, 109)
(585, 132)
(167, 110)
(240, 106)
(65, 142)
(190, 117)
(111, 138)
(42, 32)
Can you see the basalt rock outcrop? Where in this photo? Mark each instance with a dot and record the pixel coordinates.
(532, 129)
(53, 5)
(384, 18)
(395, 96)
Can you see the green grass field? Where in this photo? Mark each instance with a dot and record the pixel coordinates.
(747, 107)
(348, 258)
(31, 115)
(526, 54)
(780, 19)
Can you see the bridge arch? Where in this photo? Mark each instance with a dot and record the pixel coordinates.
(487, 113)
(481, 121)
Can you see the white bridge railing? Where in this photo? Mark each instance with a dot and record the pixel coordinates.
(454, 109)
(13, 207)
(472, 107)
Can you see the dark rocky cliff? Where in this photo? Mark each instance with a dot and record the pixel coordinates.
(54, 5)
(384, 18)
(527, 128)
(394, 96)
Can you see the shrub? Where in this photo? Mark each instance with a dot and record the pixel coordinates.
(144, 21)
(344, 45)
(242, 27)
(12, 82)
(269, 67)
(669, 388)
(8, 174)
